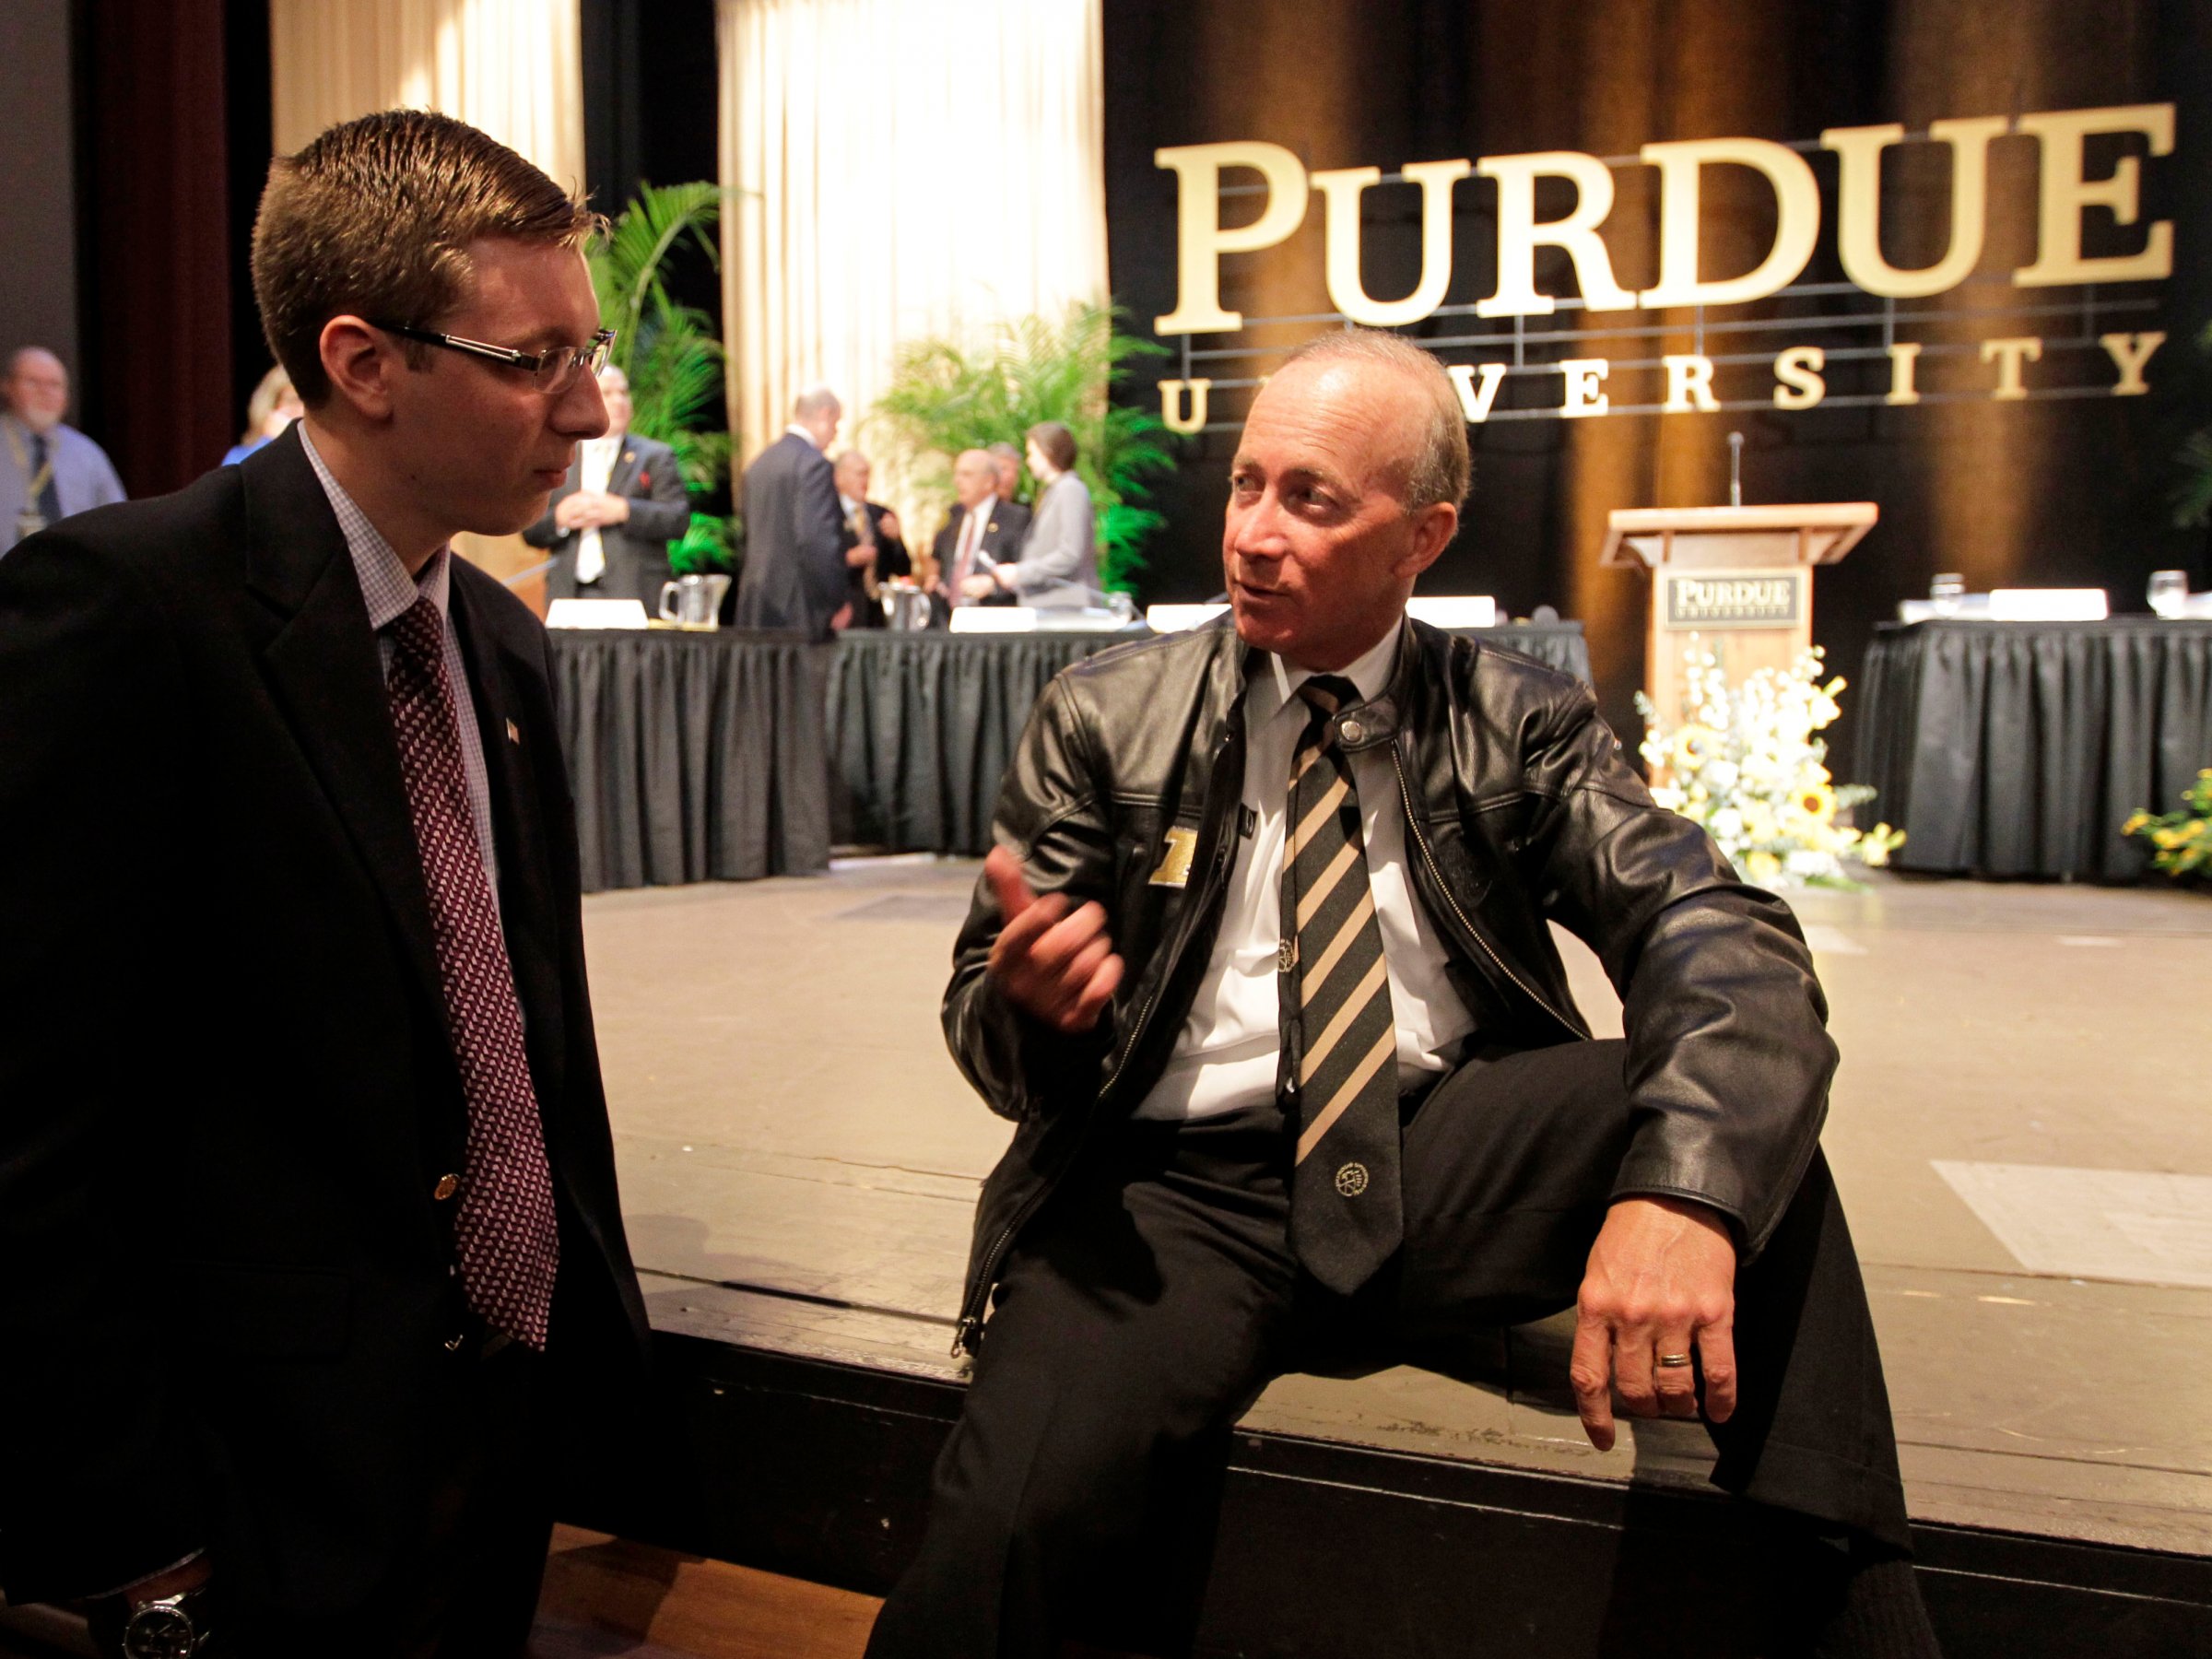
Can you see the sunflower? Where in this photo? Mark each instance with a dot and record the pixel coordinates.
(1817, 801)
(1695, 745)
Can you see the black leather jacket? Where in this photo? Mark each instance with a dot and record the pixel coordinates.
(1519, 807)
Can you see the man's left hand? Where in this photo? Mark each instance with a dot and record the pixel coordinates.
(1661, 1278)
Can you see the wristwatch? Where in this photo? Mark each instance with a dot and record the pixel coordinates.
(173, 1627)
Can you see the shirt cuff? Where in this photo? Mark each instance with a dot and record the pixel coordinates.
(146, 1577)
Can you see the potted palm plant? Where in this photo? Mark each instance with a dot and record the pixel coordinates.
(946, 396)
(669, 351)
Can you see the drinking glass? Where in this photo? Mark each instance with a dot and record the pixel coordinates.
(1945, 590)
(2170, 592)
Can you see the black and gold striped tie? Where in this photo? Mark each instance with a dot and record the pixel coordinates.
(1345, 1213)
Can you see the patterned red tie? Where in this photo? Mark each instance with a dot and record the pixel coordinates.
(505, 1227)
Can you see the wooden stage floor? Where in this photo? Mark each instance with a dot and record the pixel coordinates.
(2019, 1131)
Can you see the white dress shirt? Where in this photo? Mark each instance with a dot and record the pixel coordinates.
(594, 466)
(1224, 1055)
(969, 557)
(390, 593)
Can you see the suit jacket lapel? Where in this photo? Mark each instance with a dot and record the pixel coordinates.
(625, 468)
(323, 665)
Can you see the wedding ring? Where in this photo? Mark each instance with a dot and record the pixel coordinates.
(1674, 1361)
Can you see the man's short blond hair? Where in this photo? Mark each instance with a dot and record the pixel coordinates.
(1439, 470)
(374, 218)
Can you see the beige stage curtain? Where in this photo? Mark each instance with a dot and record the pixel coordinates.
(512, 67)
(908, 168)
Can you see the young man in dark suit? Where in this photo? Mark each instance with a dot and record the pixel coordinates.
(311, 1253)
(793, 575)
(609, 524)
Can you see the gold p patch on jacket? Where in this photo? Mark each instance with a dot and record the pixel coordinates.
(1175, 862)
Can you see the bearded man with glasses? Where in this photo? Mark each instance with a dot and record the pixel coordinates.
(309, 1234)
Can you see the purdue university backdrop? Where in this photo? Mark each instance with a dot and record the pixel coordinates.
(1986, 323)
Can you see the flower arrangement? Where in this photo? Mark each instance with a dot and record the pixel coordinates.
(1746, 763)
(2181, 841)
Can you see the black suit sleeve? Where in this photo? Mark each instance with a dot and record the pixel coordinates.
(819, 523)
(99, 1485)
(542, 534)
(663, 512)
(891, 557)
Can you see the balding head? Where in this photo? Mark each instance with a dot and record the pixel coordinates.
(816, 411)
(1433, 450)
(37, 388)
(853, 472)
(1343, 491)
(974, 478)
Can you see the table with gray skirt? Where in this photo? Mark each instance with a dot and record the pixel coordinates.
(2018, 749)
(733, 755)
(694, 756)
(922, 726)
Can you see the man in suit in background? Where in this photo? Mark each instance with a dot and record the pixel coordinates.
(610, 523)
(311, 1253)
(874, 549)
(981, 530)
(52, 469)
(794, 545)
(1007, 459)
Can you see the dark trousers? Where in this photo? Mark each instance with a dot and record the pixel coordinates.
(467, 1588)
(1155, 1297)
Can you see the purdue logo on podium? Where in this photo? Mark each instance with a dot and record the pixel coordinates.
(1770, 599)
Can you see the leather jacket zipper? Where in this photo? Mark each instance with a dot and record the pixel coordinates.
(965, 1332)
(1421, 840)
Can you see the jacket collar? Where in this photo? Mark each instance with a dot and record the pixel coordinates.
(1379, 717)
(1362, 726)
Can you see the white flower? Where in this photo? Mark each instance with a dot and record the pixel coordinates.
(1756, 760)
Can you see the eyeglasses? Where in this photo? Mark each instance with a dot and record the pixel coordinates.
(554, 372)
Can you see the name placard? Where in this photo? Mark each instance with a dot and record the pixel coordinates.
(1770, 599)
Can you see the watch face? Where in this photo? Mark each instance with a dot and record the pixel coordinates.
(158, 1632)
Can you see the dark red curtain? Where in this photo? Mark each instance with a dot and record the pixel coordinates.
(154, 219)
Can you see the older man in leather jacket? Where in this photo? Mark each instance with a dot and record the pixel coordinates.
(1261, 968)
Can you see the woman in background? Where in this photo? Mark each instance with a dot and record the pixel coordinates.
(272, 406)
(1059, 563)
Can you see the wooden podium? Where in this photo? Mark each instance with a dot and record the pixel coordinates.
(1739, 578)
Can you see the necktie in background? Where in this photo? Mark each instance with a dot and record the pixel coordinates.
(963, 563)
(864, 535)
(505, 1227)
(590, 551)
(1347, 1213)
(46, 501)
